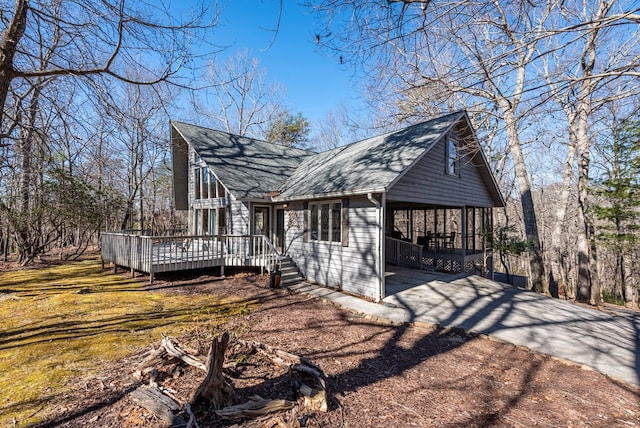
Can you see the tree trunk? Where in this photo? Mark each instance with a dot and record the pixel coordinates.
(557, 279)
(215, 391)
(536, 265)
(583, 247)
(8, 47)
(596, 288)
(629, 290)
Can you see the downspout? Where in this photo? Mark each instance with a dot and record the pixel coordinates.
(380, 260)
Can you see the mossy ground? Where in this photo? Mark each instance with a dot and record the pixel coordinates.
(62, 323)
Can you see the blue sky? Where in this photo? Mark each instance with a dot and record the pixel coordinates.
(316, 82)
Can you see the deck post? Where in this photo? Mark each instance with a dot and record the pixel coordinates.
(465, 231)
(132, 250)
(150, 259)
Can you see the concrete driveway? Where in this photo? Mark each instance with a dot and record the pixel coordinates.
(607, 341)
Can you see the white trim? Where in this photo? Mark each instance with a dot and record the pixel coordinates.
(330, 195)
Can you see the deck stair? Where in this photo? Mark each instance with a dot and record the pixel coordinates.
(290, 272)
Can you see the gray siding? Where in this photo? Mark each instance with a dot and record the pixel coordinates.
(428, 183)
(354, 268)
(239, 216)
(180, 167)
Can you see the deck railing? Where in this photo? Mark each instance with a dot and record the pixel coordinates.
(403, 253)
(153, 254)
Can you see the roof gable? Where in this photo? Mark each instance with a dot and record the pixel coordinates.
(248, 168)
(370, 165)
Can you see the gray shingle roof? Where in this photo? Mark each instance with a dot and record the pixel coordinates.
(368, 165)
(247, 167)
(252, 168)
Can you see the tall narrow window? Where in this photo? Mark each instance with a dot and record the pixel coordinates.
(324, 222)
(205, 223)
(222, 221)
(198, 222)
(213, 229)
(205, 183)
(196, 179)
(452, 161)
(336, 222)
(313, 223)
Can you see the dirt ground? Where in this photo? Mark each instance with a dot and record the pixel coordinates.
(377, 375)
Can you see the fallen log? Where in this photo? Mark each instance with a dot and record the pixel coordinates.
(256, 406)
(314, 398)
(153, 359)
(279, 356)
(161, 405)
(303, 372)
(178, 353)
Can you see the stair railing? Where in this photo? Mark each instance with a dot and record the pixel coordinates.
(271, 259)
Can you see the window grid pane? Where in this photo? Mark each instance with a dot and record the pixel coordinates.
(324, 222)
(336, 222)
(205, 184)
(197, 182)
(314, 222)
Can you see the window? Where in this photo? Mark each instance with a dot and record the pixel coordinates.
(221, 190)
(452, 161)
(197, 180)
(313, 222)
(222, 221)
(206, 185)
(325, 221)
(336, 221)
(205, 221)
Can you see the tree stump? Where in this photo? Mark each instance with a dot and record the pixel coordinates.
(215, 391)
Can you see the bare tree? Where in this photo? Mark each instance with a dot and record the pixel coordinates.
(92, 38)
(489, 57)
(482, 51)
(239, 99)
(50, 49)
(597, 65)
(140, 120)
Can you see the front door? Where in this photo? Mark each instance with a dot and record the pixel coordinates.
(279, 235)
(261, 221)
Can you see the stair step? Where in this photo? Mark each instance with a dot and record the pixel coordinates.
(290, 274)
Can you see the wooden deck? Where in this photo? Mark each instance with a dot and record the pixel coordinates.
(155, 254)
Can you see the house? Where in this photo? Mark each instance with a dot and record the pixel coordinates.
(421, 196)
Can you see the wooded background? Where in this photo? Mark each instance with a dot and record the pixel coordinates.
(87, 90)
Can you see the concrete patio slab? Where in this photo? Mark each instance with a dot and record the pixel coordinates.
(606, 341)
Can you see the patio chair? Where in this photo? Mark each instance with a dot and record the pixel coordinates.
(426, 241)
(449, 240)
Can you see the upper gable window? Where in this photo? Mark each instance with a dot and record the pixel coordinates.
(206, 185)
(452, 161)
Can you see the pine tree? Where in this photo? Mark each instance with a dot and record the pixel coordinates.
(618, 204)
(289, 130)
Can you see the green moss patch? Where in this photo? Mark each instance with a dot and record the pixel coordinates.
(63, 323)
